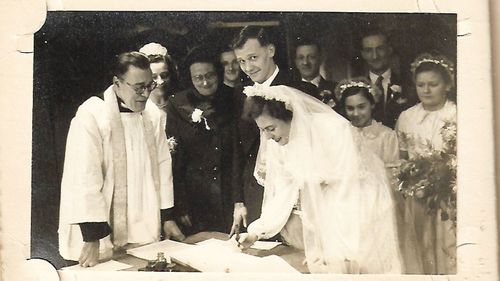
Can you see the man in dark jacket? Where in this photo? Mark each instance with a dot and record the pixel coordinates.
(308, 62)
(392, 97)
(255, 54)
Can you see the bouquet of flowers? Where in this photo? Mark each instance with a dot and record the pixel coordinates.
(430, 178)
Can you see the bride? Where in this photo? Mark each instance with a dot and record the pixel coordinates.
(309, 164)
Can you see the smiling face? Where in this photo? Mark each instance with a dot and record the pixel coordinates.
(204, 78)
(307, 61)
(376, 52)
(256, 60)
(273, 128)
(359, 110)
(162, 77)
(231, 67)
(130, 83)
(432, 90)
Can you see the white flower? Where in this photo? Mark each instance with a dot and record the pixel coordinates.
(153, 49)
(172, 143)
(196, 115)
(396, 88)
(401, 100)
(267, 93)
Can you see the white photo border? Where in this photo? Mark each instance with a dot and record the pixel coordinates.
(477, 234)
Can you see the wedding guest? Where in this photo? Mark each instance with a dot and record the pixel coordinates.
(308, 61)
(308, 161)
(231, 67)
(419, 131)
(164, 72)
(357, 103)
(391, 96)
(116, 188)
(255, 52)
(201, 122)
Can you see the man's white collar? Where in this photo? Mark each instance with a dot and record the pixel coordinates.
(314, 81)
(271, 78)
(387, 75)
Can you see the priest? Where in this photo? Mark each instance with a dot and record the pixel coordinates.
(116, 189)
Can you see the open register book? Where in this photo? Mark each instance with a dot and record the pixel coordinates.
(213, 256)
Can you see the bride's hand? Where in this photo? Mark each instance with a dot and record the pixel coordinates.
(247, 240)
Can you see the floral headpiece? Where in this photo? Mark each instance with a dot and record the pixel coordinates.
(267, 93)
(152, 49)
(352, 83)
(438, 60)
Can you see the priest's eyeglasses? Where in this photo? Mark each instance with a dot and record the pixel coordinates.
(139, 89)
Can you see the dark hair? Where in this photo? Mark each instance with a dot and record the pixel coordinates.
(373, 31)
(248, 32)
(201, 54)
(351, 91)
(255, 106)
(171, 66)
(225, 49)
(124, 60)
(307, 41)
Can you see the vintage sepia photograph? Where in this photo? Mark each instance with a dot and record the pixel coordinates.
(246, 142)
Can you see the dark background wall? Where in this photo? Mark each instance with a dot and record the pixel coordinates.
(73, 51)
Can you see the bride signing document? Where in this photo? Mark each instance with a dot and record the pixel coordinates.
(309, 164)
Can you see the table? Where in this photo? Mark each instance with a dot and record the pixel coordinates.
(293, 256)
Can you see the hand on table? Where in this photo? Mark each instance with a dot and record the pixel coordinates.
(239, 216)
(172, 231)
(246, 240)
(90, 254)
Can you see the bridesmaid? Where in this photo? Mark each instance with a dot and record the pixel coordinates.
(357, 103)
(419, 129)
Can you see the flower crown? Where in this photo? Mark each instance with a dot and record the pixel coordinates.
(152, 49)
(353, 83)
(438, 60)
(267, 93)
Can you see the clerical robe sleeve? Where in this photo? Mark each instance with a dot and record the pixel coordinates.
(82, 198)
(165, 167)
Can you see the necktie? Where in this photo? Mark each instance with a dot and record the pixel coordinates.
(379, 86)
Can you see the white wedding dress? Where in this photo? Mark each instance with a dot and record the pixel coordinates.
(346, 207)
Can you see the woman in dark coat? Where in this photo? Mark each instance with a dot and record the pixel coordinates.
(200, 119)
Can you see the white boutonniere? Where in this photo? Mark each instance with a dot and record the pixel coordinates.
(401, 100)
(396, 88)
(325, 93)
(197, 117)
(172, 143)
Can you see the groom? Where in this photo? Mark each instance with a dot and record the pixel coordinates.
(255, 54)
